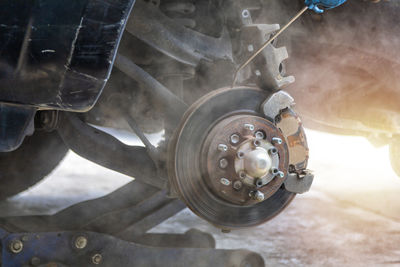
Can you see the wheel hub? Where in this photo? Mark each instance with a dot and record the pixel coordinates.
(251, 164)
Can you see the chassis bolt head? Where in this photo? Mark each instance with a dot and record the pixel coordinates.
(223, 163)
(222, 147)
(259, 135)
(249, 126)
(81, 242)
(276, 140)
(235, 138)
(237, 185)
(225, 181)
(16, 246)
(97, 258)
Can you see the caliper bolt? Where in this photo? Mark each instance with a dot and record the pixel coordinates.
(223, 163)
(235, 138)
(225, 181)
(237, 185)
(16, 246)
(276, 140)
(258, 196)
(96, 259)
(80, 242)
(222, 147)
(249, 126)
(259, 135)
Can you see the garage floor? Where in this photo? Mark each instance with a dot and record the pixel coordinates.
(351, 217)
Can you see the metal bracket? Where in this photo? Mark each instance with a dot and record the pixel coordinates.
(275, 103)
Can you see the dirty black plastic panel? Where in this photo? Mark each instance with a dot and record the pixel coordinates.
(58, 54)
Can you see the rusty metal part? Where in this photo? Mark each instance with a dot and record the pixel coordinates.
(277, 102)
(299, 183)
(249, 159)
(187, 174)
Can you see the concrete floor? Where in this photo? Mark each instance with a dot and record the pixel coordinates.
(351, 217)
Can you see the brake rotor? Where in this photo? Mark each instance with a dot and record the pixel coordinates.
(229, 161)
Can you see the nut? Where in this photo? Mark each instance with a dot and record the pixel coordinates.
(16, 246)
(259, 135)
(96, 259)
(258, 196)
(237, 185)
(81, 242)
(235, 138)
(223, 163)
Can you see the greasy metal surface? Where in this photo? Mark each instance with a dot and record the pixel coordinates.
(105, 250)
(185, 171)
(57, 54)
(15, 123)
(211, 156)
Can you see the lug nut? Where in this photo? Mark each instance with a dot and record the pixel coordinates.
(223, 163)
(235, 138)
(80, 242)
(258, 196)
(96, 259)
(237, 185)
(16, 246)
(249, 126)
(225, 181)
(276, 140)
(222, 147)
(259, 135)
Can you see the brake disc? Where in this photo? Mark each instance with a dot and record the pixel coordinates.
(231, 156)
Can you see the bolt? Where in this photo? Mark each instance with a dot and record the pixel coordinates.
(235, 138)
(245, 13)
(249, 126)
(237, 185)
(242, 174)
(81, 242)
(222, 147)
(258, 73)
(276, 140)
(35, 261)
(280, 174)
(250, 48)
(273, 151)
(256, 143)
(96, 259)
(223, 163)
(259, 135)
(225, 181)
(16, 246)
(258, 196)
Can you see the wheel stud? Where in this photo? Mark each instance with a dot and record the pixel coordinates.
(249, 126)
(276, 140)
(222, 147)
(223, 163)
